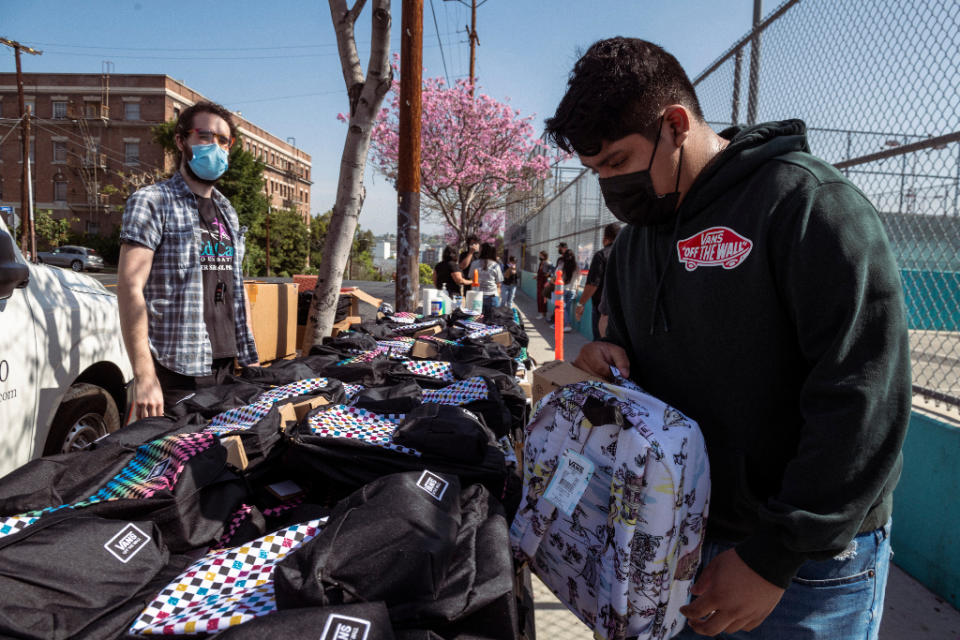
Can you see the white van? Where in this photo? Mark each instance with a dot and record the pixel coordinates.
(65, 379)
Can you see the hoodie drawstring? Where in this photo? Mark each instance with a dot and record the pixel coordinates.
(660, 280)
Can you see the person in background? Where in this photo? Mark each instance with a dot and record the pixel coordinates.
(543, 276)
(509, 288)
(471, 253)
(447, 274)
(551, 287)
(571, 280)
(490, 277)
(593, 290)
(561, 252)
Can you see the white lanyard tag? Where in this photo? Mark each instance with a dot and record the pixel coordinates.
(570, 481)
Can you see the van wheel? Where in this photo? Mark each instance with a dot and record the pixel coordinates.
(86, 413)
(76, 265)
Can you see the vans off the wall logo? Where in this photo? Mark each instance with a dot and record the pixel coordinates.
(433, 484)
(714, 247)
(127, 543)
(340, 627)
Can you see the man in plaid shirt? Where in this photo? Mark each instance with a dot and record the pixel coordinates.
(183, 310)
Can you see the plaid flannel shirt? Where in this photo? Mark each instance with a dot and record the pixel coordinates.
(164, 217)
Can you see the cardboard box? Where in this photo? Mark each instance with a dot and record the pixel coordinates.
(345, 324)
(293, 412)
(273, 315)
(424, 349)
(362, 303)
(527, 388)
(503, 338)
(236, 454)
(556, 374)
(429, 331)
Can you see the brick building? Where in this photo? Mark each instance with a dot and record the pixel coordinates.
(93, 131)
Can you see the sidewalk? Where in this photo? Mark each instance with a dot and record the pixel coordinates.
(911, 612)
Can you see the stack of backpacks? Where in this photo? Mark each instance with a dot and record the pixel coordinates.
(362, 493)
(381, 511)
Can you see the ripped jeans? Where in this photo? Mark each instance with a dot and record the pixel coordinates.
(836, 598)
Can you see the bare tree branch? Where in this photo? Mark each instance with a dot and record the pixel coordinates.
(366, 95)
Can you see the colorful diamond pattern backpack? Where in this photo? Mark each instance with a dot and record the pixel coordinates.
(613, 507)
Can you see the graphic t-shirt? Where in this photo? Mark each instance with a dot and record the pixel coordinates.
(216, 263)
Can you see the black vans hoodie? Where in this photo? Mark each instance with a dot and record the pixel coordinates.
(770, 310)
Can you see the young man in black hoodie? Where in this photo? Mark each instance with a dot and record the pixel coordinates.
(754, 289)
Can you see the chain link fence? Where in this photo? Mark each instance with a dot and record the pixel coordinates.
(876, 84)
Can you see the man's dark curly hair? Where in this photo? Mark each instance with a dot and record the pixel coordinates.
(618, 87)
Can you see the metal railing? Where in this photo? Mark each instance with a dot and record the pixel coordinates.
(876, 84)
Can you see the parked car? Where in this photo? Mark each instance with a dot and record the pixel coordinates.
(77, 258)
(65, 379)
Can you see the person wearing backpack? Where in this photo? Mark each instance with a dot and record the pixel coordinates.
(593, 290)
(754, 289)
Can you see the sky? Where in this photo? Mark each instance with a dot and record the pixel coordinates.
(276, 62)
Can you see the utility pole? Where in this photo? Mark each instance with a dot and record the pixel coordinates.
(408, 171)
(474, 41)
(27, 214)
(29, 234)
(474, 38)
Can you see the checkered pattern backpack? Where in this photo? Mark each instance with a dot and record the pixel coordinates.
(614, 503)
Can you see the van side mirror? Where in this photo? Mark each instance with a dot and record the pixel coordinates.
(13, 274)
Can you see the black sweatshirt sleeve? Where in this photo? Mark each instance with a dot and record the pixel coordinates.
(839, 283)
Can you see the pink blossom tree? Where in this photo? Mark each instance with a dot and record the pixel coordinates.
(478, 155)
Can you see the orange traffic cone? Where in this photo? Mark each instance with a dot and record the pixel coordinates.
(558, 318)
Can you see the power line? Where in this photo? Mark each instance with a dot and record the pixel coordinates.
(439, 42)
(81, 46)
(301, 95)
(194, 59)
(327, 45)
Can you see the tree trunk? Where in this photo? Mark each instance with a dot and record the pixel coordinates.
(366, 95)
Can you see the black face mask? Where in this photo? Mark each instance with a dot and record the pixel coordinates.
(633, 200)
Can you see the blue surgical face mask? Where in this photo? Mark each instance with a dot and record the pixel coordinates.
(209, 161)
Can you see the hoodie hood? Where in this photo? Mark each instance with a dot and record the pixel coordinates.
(749, 148)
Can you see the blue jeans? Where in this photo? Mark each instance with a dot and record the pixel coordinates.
(827, 599)
(568, 296)
(489, 304)
(508, 291)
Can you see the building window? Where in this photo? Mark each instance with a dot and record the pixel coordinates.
(93, 227)
(131, 152)
(59, 151)
(59, 109)
(30, 105)
(176, 112)
(131, 110)
(60, 191)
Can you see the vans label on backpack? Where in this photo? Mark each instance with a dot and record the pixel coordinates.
(127, 543)
(569, 481)
(432, 484)
(340, 627)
